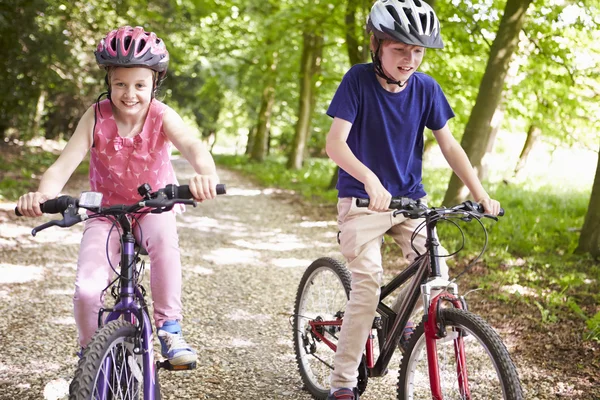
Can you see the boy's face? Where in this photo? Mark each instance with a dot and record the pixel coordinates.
(131, 89)
(399, 60)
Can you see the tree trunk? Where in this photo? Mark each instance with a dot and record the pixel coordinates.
(533, 134)
(39, 112)
(497, 119)
(477, 132)
(310, 67)
(357, 42)
(250, 142)
(260, 146)
(589, 240)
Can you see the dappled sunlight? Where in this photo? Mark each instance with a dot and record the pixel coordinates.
(522, 290)
(279, 243)
(290, 262)
(227, 256)
(197, 222)
(59, 292)
(10, 273)
(11, 234)
(317, 224)
(241, 315)
(56, 389)
(243, 192)
(242, 343)
(202, 271)
(63, 321)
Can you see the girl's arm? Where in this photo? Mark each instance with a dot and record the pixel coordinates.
(55, 177)
(203, 185)
(460, 164)
(339, 151)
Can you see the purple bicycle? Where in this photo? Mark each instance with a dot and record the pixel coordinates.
(119, 361)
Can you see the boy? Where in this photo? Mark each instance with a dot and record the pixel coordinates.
(379, 112)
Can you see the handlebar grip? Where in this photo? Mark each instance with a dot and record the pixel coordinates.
(395, 204)
(53, 206)
(481, 210)
(362, 202)
(184, 192)
(58, 205)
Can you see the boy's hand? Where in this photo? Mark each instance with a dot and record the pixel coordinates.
(490, 206)
(204, 187)
(379, 197)
(29, 204)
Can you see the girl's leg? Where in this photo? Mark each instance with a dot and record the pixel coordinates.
(93, 275)
(159, 237)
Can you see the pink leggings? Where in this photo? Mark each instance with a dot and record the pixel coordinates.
(159, 236)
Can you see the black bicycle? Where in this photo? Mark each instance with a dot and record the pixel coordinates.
(119, 361)
(452, 353)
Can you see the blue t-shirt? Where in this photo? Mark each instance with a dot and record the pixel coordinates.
(387, 128)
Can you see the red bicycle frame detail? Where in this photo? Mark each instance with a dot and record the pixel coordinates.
(431, 335)
(370, 356)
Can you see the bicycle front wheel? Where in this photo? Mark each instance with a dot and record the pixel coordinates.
(109, 368)
(486, 370)
(322, 296)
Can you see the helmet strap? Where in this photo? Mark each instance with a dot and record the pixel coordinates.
(379, 68)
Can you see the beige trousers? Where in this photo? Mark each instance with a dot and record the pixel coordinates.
(361, 234)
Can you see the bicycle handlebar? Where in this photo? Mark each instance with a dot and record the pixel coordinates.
(416, 209)
(161, 200)
(172, 192)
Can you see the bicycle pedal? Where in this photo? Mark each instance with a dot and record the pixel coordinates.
(170, 367)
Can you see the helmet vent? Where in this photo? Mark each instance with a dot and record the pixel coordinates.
(393, 13)
(141, 45)
(127, 43)
(417, 3)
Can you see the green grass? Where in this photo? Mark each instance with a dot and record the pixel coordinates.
(531, 247)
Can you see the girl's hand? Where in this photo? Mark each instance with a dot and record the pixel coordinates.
(204, 187)
(379, 197)
(29, 204)
(490, 206)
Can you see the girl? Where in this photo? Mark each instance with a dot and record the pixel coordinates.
(129, 137)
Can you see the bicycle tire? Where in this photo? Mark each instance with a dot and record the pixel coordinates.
(491, 374)
(330, 277)
(113, 342)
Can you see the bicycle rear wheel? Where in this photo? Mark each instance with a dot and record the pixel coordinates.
(109, 368)
(322, 296)
(490, 372)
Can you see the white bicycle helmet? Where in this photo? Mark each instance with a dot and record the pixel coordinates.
(411, 22)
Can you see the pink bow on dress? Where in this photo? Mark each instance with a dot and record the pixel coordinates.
(120, 142)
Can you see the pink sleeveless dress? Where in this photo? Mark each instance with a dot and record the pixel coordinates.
(118, 166)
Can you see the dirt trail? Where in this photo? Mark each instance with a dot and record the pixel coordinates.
(243, 256)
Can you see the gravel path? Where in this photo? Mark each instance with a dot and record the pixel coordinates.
(243, 257)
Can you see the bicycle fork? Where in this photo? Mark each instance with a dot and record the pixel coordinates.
(435, 330)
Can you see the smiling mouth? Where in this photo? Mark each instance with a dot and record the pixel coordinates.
(405, 69)
(129, 103)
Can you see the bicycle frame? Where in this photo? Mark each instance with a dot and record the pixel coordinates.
(131, 307)
(426, 276)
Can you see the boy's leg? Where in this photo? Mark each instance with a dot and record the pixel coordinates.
(402, 233)
(360, 242)
(93, 275)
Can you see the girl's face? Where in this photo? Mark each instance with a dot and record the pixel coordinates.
(131, 89)
(399, 60)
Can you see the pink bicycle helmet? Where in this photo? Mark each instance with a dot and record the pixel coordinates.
(133, 47)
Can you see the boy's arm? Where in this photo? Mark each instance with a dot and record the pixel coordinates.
(338, 150)
(57, 175)
(460, 164)
(203, 185)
